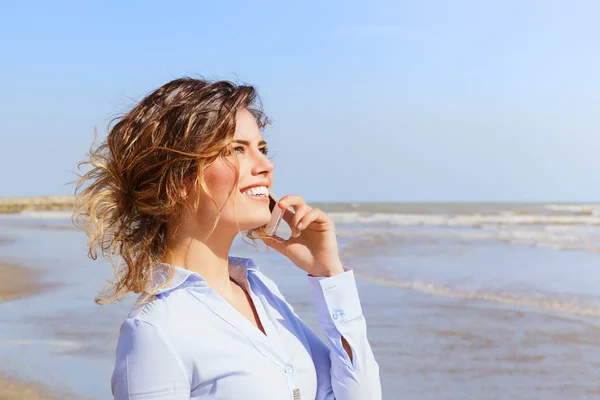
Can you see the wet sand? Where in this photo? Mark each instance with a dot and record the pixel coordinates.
(13, 389)
(18, 282)
(39, 203)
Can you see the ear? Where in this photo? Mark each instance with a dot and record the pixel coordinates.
(183, 193)
(187, 189)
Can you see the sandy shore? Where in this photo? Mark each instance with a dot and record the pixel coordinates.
(12, 389)
(19, 282)
(39, 203)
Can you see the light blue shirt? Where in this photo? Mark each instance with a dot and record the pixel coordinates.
(187, 342)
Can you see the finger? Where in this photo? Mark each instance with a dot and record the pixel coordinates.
(313, 215)
(291, 200)
(300, 213)
(288, 201)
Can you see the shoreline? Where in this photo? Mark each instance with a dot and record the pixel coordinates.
(12, 388)
(19, 282)
(38, 203)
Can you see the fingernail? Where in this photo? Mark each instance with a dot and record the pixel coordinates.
(299, 226)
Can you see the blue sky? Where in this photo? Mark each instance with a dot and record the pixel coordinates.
(370, 100)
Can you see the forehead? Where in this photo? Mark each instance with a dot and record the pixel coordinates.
(246, 127)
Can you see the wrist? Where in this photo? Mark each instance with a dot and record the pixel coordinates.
(329, 270)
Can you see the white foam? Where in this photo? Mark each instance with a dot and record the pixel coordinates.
(505, 218)
(30, 342)
(574, 208)
(39, 215)
(540, 302)
(569, 238)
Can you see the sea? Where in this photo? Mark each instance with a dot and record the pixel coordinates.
(462, 301)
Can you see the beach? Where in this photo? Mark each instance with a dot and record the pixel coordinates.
(39, 203)
(13, 389)
(490, 301)
(18, 282)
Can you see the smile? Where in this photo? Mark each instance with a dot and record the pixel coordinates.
(257, 191)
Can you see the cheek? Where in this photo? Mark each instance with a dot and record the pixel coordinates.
(220, 179)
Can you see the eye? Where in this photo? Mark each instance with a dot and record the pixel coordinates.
(239, 149)
(264, 150)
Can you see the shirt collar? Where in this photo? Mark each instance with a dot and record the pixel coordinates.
(238, 270)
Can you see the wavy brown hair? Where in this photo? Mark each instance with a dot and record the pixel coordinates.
(163, 144)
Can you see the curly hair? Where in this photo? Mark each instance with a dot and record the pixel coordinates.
(164, 143)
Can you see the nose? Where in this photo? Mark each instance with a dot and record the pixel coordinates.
(262, 165)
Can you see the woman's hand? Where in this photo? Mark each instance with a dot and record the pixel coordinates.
(313, 245)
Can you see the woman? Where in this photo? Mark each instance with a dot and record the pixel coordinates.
(178, 177)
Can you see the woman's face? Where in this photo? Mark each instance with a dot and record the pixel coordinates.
(248, 203)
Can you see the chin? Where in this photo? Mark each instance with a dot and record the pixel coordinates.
(249, 225)
(259, 225)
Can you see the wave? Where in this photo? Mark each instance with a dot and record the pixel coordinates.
(506, 218)
(539, 302)
(38, 215)
(581, 215)
(593, 209)
(371, 240)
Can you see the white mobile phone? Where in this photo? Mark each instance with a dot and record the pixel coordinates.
(276, 216)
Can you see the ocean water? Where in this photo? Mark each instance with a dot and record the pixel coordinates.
(463, 301)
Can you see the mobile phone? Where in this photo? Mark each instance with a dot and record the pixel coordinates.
(276, 216)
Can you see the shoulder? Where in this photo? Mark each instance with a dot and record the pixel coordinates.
(167, 317)
(153, 315)
(160, 328)
(155, 309)
(146, 361)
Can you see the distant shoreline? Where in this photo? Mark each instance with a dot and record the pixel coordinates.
(38, 203)
(67, 203)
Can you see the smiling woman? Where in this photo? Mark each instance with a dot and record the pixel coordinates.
(174, 142)
(178, 178)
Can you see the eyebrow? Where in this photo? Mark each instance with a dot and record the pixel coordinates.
(247, 143)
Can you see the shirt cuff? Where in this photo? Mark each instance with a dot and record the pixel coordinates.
(336, 298)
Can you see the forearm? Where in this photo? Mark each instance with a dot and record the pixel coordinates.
(354, 371)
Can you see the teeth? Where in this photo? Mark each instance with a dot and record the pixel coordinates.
(257, 191)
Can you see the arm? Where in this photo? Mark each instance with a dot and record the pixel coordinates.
(146, 366)
(354, 373)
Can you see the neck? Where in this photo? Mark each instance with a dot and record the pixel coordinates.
(190, 249)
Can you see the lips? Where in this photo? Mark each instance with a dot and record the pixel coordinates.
(258, 191)
(255, 185)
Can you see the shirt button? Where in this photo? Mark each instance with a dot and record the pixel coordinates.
(288, 369)
(337, 314)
